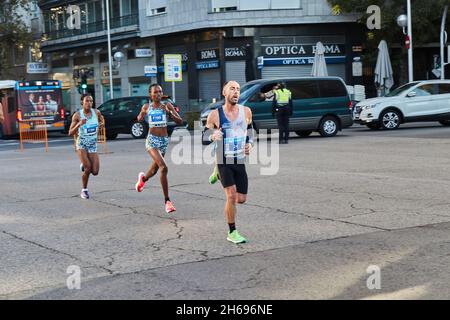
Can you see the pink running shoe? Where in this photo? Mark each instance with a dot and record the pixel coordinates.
(170, 207)
(140, 184)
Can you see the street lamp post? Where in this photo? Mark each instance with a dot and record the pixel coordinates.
(410, 50)
(404, 21)
(443, 42)
(108, 32)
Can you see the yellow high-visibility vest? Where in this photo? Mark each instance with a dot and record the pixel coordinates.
(283, 96)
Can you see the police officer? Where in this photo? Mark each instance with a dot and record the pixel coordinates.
(282, 108)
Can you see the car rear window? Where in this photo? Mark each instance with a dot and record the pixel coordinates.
(303, 89)
(332, 88)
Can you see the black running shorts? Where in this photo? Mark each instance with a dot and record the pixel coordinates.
(234, 174)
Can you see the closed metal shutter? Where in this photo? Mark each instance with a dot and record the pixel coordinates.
(274, 72)
(235, 70)
(181, 92)
(209, 82)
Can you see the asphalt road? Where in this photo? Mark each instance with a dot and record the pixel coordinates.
(336, 208)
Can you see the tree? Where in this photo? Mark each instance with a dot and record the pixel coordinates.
(426, 22)
(14, 33)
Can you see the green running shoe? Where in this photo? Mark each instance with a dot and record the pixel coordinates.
(214, 177)
(235, 237)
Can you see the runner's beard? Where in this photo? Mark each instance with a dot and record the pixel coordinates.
(232, 102)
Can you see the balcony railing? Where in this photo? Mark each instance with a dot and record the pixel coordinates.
(98, 26)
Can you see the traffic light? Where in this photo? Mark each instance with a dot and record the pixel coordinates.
(82, 89)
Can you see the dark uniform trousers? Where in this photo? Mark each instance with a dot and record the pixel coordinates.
(282, 115)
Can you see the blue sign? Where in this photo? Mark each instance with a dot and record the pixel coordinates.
(183, 67)
(150, 71)
(212, 64)
(300, 61)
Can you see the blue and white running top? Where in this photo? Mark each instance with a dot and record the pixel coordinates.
(156, 117)
(87, 133)
(234, 136)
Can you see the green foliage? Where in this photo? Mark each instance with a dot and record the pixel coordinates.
(13, 31)
(426, 21)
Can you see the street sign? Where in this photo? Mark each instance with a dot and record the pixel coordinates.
(172, 68)
(143, 52)
(37, 67)
(150, 71)
(357, 69)
(260, 62)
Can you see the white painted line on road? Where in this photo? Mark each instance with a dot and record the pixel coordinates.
(15, 159)
(33, 142)
(9, 144)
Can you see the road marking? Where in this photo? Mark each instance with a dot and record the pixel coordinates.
(9, 144)
(15, 159)
(33, 142)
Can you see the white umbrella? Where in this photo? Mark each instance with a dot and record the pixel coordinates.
(384, 77)
(319, 68)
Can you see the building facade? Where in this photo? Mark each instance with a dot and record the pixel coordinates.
(243, 40)
(22, 61)
(219, 40)
(70, 47)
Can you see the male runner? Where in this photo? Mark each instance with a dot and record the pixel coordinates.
(232, 122)
(157, 140)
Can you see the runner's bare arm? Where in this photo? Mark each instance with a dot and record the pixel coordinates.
(249, 141)
(76, 124)
(143, 112)
(174, 114)
(213, 123)
(101, 119)
(248, 115)
(212, 120)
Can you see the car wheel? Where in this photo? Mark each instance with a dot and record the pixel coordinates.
(111, 135)
(445, 123)
(138, 130)
(390, 119)
(303, 133)
(373, 126)
(328, 127)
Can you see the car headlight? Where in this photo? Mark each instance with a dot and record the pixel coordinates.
(366, 108)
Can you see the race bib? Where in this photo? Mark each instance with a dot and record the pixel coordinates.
(234, 147)
(90, 130)
(157, 118)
